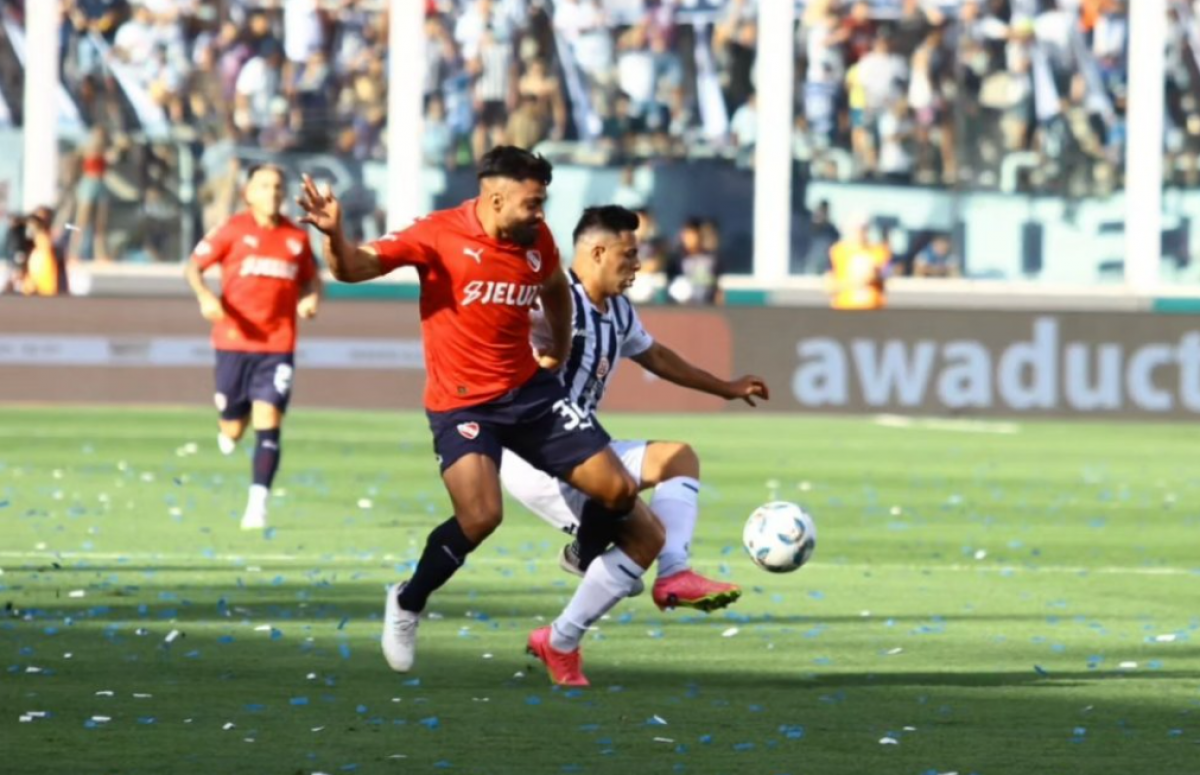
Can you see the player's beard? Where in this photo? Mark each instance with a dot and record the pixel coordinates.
(524, 234)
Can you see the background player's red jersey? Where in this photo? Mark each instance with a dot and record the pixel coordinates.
(263, 271)
(476, 293)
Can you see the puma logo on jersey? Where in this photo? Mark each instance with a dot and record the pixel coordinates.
(475, 254)
(508, 294)
(256, 266)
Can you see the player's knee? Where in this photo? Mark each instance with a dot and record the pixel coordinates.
(622, 495)
(480, 522)
(683, 462)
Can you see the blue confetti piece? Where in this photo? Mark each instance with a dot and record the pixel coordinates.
(742, 747)
(276, 634)
(413, 682)
(4, 504)
(349, 767)
(589, 727)
(443, 765)
(146, 719)
(225, 639)
(706, 739)
(269, 534)
(533, 699)
(1041, 670)
(342, 623)
(344, 650)
(1079, 731)
(792, 731)
(255, 707)
(430, 722)
(1155, 664)
(298, 701)
(193, 654)
(361, 709)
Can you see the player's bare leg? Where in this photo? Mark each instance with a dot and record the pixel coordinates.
(673, 469)
(474, 487)
(638, 537)
(229, 433)
(266, 419)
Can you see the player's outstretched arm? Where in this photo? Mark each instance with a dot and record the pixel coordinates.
(557, 306)
(348, 262)
(664, 362)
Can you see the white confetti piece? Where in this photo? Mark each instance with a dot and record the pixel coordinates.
(317, 729)
(657, 719)
(33, 669)
(36, 713)
(311, 676)
(980, 554)
(68, 655)
(263, 628)
(24, 719)
(893, 652)
(76, 593)
(910, 729)
(247, 739)
(191, 448)
(142, 695)
(253, 569)
(398, 756)
(365, 503)
(897, 511)
(147, 476)
(102, 719)
(1167, 638)
(104, 693)
(57, 473)
(805, 486)
(1127, 665)
(864, 614)
(40, 546)
(228, 725)
(519, 674)
(172, 636)
(730, 632)
(487, 656)
(888, 741)
(481, 699)
(663, 740)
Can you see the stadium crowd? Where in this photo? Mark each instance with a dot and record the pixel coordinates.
(963, 93)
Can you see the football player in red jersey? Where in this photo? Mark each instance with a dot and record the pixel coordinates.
(482, 267)
(268, 278)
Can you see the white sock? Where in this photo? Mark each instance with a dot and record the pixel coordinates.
(225, 444)
(258, 498)
(675, 503)
(609, 578)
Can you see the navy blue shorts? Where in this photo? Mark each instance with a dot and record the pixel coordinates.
(243, 378)
(538, 421)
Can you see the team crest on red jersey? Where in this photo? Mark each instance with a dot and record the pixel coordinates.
(468, 430)
(534, 257)
(296, 246)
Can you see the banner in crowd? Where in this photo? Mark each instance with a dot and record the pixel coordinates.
(972, 363)
(369, 355)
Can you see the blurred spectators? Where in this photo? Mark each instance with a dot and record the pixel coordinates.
(695, 267)
(925, 92)
(937, 259)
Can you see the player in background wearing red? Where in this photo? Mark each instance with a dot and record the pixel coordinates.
(268, 278)
(482, 267)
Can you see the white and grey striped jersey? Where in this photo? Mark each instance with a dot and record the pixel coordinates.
(598, 341)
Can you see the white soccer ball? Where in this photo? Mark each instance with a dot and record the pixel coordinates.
(780, 536)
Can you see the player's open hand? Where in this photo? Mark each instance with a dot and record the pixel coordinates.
(307, 306)
(321, 208)
(749, 388)
(211, 308)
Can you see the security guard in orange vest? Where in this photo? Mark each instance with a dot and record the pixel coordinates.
(858, 269)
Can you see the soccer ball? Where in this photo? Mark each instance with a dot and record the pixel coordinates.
(780, 536)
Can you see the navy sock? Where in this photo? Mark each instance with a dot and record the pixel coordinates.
(267, 452)
(597, 530)
(445, 552)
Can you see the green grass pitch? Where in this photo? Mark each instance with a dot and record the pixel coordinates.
(979, 602)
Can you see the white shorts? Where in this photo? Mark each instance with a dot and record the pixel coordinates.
(553, 500)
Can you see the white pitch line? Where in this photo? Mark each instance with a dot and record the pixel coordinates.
(200, 561)
(175, 436)
(944, 424)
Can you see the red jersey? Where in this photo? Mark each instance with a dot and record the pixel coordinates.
(263, 270)
(476, 293)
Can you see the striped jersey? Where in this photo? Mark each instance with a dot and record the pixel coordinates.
(598, 341)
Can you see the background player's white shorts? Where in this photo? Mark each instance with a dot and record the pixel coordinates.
(555, 501)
